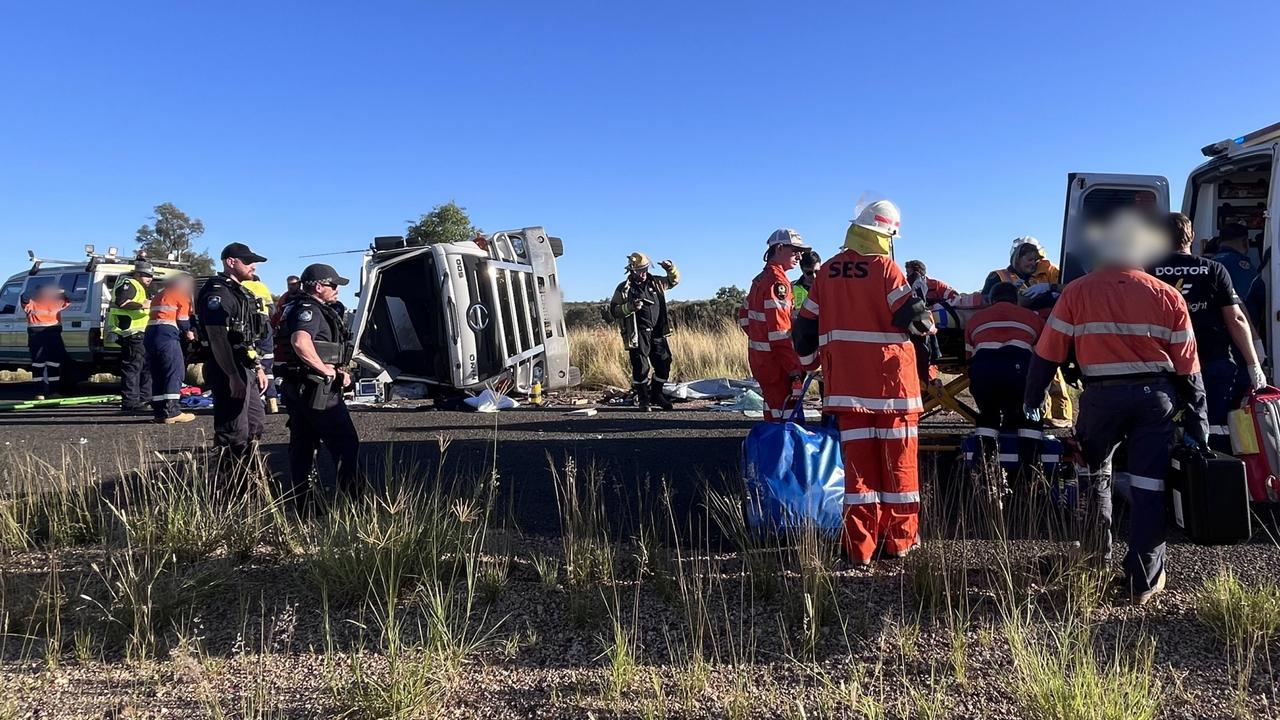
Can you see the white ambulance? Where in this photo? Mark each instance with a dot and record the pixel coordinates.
(1236, 185)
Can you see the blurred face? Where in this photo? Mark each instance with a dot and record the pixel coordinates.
(1026, 262)
(640, 274)
(293, 284)
(327, 292)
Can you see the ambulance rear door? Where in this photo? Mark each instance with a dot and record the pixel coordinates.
(1092, 196)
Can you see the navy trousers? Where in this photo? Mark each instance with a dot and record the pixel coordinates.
(48, 355)
(168, 369)
(135, 375)
(1140, 415)
(308, 430)
(996, 381)
(1221, 388)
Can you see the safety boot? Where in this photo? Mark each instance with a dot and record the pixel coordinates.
(642, 398)
(273, 406)
(183, 417)
(1144, 597)
(657, 397)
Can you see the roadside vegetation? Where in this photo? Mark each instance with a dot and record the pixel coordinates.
(713, 350)
(166, 588)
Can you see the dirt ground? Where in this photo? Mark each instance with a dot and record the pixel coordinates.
(706, 632)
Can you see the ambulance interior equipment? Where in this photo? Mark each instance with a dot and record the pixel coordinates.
(1235, 185)
(462, 315)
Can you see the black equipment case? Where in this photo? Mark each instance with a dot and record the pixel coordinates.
(1209, 496)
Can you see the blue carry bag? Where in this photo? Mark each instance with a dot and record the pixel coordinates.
(794, 475)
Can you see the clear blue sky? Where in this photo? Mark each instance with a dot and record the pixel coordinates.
(689, 130)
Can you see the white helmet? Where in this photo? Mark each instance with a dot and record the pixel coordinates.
(881, 217)
(1024, 240)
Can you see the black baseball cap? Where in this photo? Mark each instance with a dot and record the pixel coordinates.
(241, 252)
(321, 273)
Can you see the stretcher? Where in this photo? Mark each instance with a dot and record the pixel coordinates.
(945, 394)
(58, 402)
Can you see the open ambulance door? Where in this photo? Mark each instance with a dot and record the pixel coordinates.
(1091, 196)
(1271, 269)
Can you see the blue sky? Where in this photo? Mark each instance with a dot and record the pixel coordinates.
(689, 130)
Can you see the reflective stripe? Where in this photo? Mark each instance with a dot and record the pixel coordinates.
(272, 356)
(753, 315)
(169, 323)
(163, 308)
(775, 305)
(1048, 459)
(896, 433)
(744, 322)
(898, 293)
(774, 413)
(1219, 430)
(1032, 434)
(1114, 328)
(166, 396)
(52, 378)
(1145, 483)
(1062, 326)
(779, 335)
(761, 346)
(902, 497)
(853, 401)
(658, 379)
(987, 432)
(862, 336)
(1004, 324)
(36, 365)
(1126, 368)
(864, 498)
(810, 305)
(52, 364)
(997, 345)
(809, 359)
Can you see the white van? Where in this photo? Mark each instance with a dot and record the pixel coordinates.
(88, 285)
(463, 314)
(1236, 185)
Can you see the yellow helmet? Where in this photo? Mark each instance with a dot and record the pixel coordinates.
(638, 261)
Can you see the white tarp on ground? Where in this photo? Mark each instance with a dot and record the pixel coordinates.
(489, 401)
(710, 389)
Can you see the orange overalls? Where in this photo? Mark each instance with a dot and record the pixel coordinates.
(869, 365)
(766, 318)
(170, 317)
(44, 340)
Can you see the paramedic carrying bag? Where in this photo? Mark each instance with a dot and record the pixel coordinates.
(1208, 496)
(1255, 439)
(794, 475)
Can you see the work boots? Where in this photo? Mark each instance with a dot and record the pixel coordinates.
(657, 397)
(642, 397)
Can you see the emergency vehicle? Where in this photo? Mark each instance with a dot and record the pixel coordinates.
(87, 284)
(1235, 185)
(463, 314)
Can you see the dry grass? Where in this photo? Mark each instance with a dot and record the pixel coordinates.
(699, 352)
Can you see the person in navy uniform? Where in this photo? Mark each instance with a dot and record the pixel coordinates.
(311, 349)
(231, 323)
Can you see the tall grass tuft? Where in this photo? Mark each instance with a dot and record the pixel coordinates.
(1239, 614)
(717, 350)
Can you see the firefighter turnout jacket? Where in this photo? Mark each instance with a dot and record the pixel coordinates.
(766, 316)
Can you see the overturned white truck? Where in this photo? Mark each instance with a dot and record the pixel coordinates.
(463, 315)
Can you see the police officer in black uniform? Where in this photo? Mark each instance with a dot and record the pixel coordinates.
(1219, 322)
(231, 323)
(311, 350)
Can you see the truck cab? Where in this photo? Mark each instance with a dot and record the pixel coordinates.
(461, 315)
(87, 284)
(1236, 184)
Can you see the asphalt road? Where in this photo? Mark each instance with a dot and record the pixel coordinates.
(634, 453)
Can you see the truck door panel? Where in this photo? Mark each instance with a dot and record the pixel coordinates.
(1092, 195)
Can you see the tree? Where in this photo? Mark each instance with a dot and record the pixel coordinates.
(730, 295)
(172, 235)
(445, 223)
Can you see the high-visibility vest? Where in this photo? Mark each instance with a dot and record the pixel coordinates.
(1121, 322)
(868, 362)
(767, 316)
(171, 307)
(260, 291)
(1003, 325)
(128, 322)
(44, 313)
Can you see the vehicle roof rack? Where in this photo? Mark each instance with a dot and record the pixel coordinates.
(1256, 137)
(94, 260)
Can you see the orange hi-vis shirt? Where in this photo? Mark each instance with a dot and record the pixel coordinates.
(869, 364)
(767, 319)
(938, 291)
(1121, 322)
(45, 313)
(171, 307)
(1001, 326)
